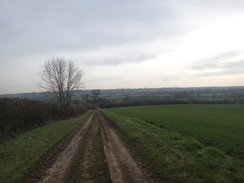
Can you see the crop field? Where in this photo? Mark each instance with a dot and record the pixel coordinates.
(221, 126)
(173, 157)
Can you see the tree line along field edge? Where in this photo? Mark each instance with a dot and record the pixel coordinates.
(221, 126)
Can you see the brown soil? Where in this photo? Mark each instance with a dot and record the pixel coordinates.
(58, 164)
(123, 168)
(91, 166)
(95, 152)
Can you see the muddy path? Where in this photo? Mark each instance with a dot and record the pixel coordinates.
(93, 153)
(91, 165)
(123, 168)
(58, 164)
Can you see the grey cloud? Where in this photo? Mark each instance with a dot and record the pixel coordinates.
(218, 61)
(225, 63)
(38, 27)
(221, 73)
(32, 31)
(234, 65)
(233, 5)
(168, 78)
(120, 59)
(228, 68)
(5, 82)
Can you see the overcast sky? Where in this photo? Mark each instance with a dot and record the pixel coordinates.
(124, 44)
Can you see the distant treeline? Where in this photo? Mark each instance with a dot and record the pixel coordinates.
(169, 95)
(169, 102)
(221, 95)
(19, 115)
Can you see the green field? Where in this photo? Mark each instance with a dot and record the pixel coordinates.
(172, 157)
(214, 125)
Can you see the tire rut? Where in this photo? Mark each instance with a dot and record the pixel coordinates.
(93, 153)
(122, 167)
(91, 166)
(58, 164)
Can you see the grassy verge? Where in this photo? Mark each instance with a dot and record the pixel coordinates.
(21, 156)
(221, 126)
(174, 158)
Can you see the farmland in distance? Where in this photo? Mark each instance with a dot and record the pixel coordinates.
(221, 126)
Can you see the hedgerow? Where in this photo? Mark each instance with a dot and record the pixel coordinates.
(18, 115)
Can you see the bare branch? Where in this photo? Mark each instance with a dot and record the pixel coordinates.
(61, 77)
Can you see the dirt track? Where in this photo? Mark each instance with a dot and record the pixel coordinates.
(81, 151)
(121, 164)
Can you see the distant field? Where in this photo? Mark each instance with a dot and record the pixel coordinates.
(218, 125)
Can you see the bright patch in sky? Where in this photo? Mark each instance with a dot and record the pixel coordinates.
(124, 44)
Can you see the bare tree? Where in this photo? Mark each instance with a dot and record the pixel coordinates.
(61, 77)
(95, 94)
(86, 98)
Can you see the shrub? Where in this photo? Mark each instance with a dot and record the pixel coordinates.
(189, 144)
